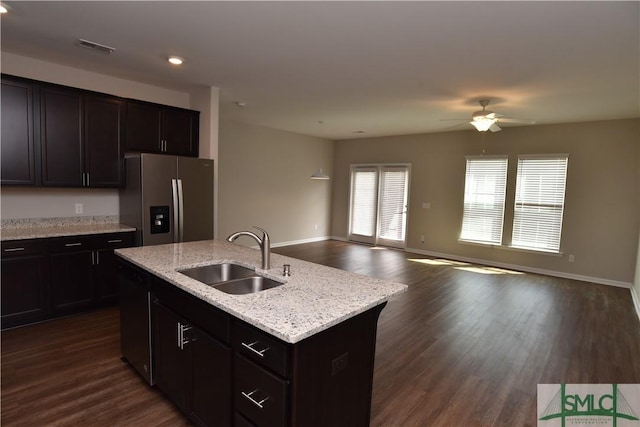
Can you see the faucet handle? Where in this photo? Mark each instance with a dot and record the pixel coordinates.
(264, 232)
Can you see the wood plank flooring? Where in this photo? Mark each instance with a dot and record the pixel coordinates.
(460, 348)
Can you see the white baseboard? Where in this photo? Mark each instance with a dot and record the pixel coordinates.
(636, 300)
(526, 269)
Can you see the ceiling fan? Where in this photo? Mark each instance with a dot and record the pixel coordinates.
(485, 120)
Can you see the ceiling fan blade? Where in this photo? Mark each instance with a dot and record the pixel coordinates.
(493, 115)
(457, 120)
(523, 121)
(495, 128)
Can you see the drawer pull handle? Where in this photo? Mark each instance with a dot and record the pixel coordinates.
(259, 403)
(14, 249)
(257, 352)
(68, 245)
(114, 241)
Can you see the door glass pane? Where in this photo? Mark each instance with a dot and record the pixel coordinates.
(363, 216)
(393, 201)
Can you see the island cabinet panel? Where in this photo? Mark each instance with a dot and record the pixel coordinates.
(24, 282)
(223, 371)
(18, 140)
(155, 128)
(191, 367)
(332, 374)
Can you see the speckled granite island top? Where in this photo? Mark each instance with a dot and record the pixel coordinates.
(313, 298)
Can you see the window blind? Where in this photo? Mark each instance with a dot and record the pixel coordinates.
(393, 204)
(539, 202)
(364, 193)
(484, 198)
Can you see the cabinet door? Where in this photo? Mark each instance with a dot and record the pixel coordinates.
(180, 132)
(18, 148)
(71, 273)
(60, 137)
(106, 264)
(143, 127)
(171, 359)
(211, 380)
(102, 124)
(24, 283)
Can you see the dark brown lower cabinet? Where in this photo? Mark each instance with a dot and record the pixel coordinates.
(221, 371)
(192, 368)
(49, 277)
(84, 270)
(24, 282)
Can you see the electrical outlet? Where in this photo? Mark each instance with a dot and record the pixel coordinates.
(340, 363)
(572, 258)
(426, 205)
(79, 208)
(316, 227)
(422, 239)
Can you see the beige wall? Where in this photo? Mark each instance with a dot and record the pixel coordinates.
(635, 291)
(264, 181)
(20, 202)
(602, 214)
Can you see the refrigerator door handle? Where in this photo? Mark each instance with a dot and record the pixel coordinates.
(181, 210)
(176, 209)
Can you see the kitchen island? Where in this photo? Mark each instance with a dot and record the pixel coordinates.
(299, 354)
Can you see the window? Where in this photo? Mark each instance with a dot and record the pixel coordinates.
(484, 196)
(539, 202)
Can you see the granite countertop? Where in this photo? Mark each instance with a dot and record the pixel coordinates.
(313, 298)
(59, 227)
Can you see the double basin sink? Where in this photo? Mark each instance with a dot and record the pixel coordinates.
(231, 278)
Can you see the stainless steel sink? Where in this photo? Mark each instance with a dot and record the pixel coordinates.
(216, 273)
(231, 278)
(248, 285)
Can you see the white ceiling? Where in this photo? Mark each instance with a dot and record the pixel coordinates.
(384, 68)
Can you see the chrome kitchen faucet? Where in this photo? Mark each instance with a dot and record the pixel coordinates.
(264, 243)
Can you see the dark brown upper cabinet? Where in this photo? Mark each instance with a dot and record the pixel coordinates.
(80, 135)
(18, 138)
(155, 128)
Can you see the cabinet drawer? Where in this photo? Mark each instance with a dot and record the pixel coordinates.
(261, 348)
(113, 240)
(259, 395)
(70, 244)
(16, 248)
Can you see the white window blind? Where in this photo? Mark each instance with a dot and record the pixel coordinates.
(364, 199)
(393, 196)
(539, 203)
(484, 198)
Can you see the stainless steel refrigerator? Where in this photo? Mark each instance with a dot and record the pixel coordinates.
(168, 199)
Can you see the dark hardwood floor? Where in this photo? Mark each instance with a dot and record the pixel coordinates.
(463, 347)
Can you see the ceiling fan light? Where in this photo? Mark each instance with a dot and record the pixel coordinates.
(483, 124)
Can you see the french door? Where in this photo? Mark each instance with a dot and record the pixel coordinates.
(378, 212)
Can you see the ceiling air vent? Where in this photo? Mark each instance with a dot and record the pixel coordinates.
(95, 46)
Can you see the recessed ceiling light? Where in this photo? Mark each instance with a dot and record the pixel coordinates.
(176, 60)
